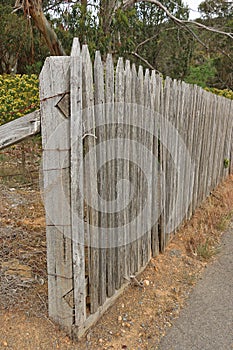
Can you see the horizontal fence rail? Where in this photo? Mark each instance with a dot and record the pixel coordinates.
(19, 129)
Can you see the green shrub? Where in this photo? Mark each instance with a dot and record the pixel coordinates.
(19, 95)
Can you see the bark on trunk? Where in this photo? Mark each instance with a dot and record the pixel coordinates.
(41, 22)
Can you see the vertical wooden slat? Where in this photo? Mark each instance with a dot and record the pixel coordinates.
(213, 111)
(102, 180)
(155, 103)
(197, 145)
(127, 217)
(193, 120)
(182, 137)
(208, 133)
(187, 136)
(140, 103)
(165, 166)
(161, 179)
(110, 133)
(135, 263)
(77, 185)
(54, 82)
(90, 179)
(119, 115)
(201, 129)
(147, 161)
(220, 140)
(168, 117)
(177, 189)
(227, 123)
(229, 134)
(204, 155)
(211, 142)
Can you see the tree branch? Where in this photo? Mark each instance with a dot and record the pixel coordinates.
(135, 54)
(145, 41)
(185, 23)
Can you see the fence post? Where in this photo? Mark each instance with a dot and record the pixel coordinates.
(77, 204)
(54, 88)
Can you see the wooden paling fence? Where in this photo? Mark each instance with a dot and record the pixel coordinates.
(126, 158)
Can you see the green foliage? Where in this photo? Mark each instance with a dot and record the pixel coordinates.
(206, 250)
(19, 95)
(216, 8)
(201, 74)
(14, 38)
(226, 163)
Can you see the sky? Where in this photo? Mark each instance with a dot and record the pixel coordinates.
(193, 4)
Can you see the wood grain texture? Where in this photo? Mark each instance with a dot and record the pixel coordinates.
(110, 133)
(119, 119)
(90, 178)
(54, 82)
(20, 129)
(102, 178)
(77, 186)
(86, 270)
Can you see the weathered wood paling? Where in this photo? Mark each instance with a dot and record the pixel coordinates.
(110, 133)
(140, 132)
(102, 179)
(127, 217)
(77, 186)
(54, 81)
(90, 178)
(119, 120)
(155, 100)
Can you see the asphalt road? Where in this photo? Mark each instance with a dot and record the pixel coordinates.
(206, 323)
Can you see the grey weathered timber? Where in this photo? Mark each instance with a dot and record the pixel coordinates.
(174, 144)
(102, 178)
(19, 129)
(119, 119)
(54, 83)
(134, 253)
(110, 133)
(99, 128)
(148, 165)
(164, 163)
(229, 136)
(155, 101)
(187, 136)
(140, 181)
(77, 186)
(197, 147)
(168, 169)
(193, 123)
(127, 165)
(90, 179)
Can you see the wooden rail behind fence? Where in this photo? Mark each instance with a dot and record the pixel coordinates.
(101, 129)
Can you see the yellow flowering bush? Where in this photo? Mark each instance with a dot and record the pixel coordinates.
(225, 93)
(19, 95)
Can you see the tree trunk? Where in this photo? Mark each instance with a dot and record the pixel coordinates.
(42, 24)
(106, 10)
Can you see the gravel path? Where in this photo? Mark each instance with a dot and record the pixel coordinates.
(207, 322)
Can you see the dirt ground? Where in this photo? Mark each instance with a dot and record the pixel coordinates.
(140, 316)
